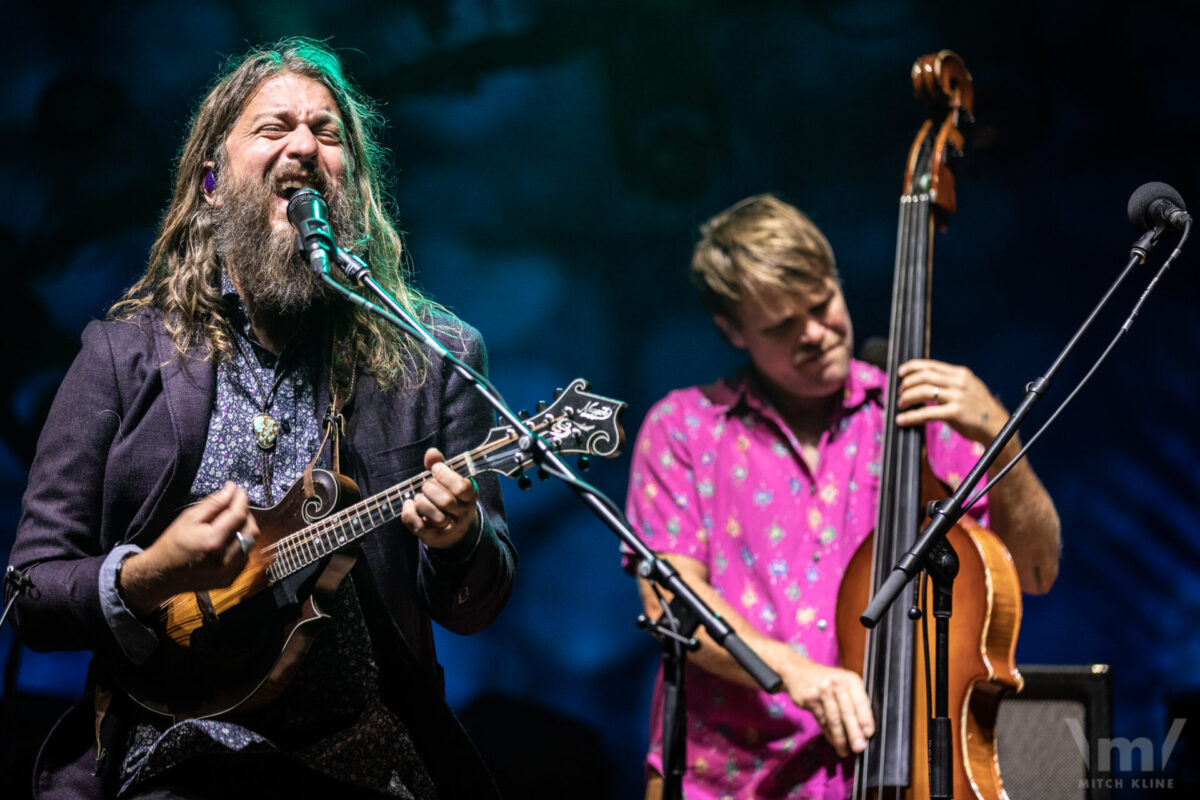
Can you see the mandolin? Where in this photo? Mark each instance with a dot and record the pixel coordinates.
(236, 648)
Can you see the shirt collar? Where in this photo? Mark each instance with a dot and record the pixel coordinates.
(864, 383)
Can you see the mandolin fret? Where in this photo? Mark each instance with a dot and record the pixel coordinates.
(499, 453)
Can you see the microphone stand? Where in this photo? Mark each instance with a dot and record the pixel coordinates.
(932, 553)
(685, 612)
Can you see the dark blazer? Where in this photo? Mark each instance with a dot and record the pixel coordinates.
(115, 463)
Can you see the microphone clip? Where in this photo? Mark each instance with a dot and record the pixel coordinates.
(1145, 243)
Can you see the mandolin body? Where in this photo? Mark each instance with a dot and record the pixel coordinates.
(236, 648)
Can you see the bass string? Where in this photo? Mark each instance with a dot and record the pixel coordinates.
(878, 648)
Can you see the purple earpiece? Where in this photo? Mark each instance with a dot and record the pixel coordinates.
(210, 181)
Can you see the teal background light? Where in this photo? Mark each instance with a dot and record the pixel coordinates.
(552, 161)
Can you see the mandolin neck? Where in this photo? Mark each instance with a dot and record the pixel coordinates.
(341, 529)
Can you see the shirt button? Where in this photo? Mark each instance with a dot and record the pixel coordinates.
(812, 489)
(817, 556)
(822, 624)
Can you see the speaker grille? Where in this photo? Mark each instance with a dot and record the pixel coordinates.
(1039, 759)
(1038, 751)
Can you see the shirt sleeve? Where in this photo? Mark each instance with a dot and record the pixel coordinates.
(951, 457)
(136, 640)
(662, 504)
(466, 588)
(58, 541)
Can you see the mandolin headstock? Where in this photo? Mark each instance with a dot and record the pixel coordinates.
(578, 422)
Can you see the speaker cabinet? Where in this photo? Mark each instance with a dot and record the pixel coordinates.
(1038, 733)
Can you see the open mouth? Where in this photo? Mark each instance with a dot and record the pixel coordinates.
(288, 188)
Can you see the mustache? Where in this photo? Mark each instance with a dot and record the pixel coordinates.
(263, 259)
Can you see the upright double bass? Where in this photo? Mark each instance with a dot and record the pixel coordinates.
(987, 596)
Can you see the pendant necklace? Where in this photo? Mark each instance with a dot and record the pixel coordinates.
(265, 426)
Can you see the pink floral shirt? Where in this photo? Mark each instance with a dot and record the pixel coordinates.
(718, 476)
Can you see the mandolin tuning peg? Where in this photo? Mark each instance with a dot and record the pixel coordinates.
(523, 482)
(542, 474)
(583, 462)
(523, 414)
(541, 406)
(558, 392)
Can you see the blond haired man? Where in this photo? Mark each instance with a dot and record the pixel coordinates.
(759, 488)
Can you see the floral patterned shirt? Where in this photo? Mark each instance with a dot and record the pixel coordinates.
(231, 452)
(718, 476)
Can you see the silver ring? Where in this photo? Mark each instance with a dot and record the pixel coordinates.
(937, 390)
(245, 541)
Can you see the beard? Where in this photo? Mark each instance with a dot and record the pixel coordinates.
(265, 264)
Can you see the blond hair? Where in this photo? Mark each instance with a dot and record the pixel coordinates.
(760, 246)
(182, 278)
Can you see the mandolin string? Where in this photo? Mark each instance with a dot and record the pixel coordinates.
(311, 532)
(294, 541)
(374, 502)
(317, 530)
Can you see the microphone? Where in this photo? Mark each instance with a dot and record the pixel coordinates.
(1153, 204)
(309, 214)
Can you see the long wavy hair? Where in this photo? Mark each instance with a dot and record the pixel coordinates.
(183, 277)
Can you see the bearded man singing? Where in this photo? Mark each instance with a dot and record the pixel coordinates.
(217, 379)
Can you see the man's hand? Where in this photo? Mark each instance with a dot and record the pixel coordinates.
(1019, 509)
(200, 550)
(444, 511)
(836, 698)
(933, 390)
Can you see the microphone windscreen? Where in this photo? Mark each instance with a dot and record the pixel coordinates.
(302, 198)
(1145, 196)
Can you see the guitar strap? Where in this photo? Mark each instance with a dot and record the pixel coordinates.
(343, 363)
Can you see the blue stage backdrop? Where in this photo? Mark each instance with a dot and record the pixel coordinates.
(553, 159)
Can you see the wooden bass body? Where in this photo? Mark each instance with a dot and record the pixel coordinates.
(985, 615)
(983, 642)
